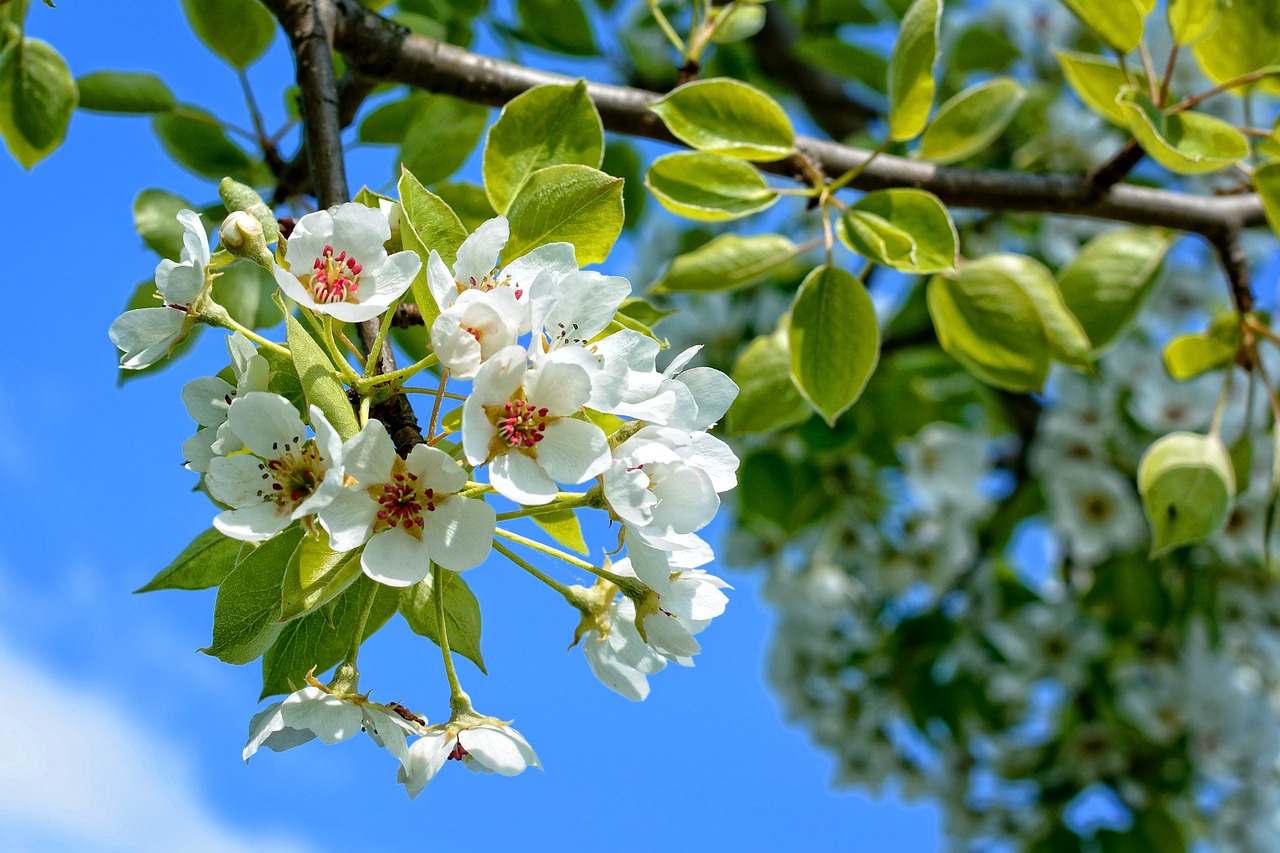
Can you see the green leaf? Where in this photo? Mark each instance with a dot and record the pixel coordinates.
(971, 121)
(37, 97)
(427, 223)
(1117, 22)
(559, 25)
(388, 124)
(545, 126)
(847, 60)
(728, 262)
(239, 31)
(321, 382)
(1246, 39)
(155, 218)
(708, 187)
(563, 526)
(834, 340)
(442, 137)
(911, 85)
(283, 379)
(908, 230)
(1187, 483)
(196, 141)
(980, 48)
(767, 398)
(1068, 342)
(1192, 21)
(245, 290)
(469, 202)
(740, 22)
(623, 161)
(461, 615)
(1266, 180)
(1188, 143)
(723, 116)
(204, 563)
(322, 640)
(570, 203)
(1106, 283)
(1097, 82)
(988, 323)
(315, 576)
(1188, 356)
(247, 612)
(124, 92)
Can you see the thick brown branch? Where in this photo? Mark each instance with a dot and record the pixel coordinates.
(382, 50)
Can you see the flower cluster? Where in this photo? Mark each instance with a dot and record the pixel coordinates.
(556, 394)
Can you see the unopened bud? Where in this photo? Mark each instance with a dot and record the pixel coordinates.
(241, 235)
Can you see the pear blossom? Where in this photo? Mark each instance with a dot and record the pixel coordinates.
(691, 602)
(649, 484)
(337, 264)
(1094, 508)
(314, 712)
(407, 510)
(474, 268)
(620, 657)
(285, 476)
(482, 748)
(208, 399)
(147, 335)
(574, 309)
(474, 327)
(693, 400)
(518, 420)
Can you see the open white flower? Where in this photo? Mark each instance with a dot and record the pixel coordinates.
(337, 264)
(408, 511)
(650, 485)
(691, 400)
(314, 712)
(483, 748)
(1094, 508)
(209, 398)
(692, 600)
(574, 309)
(284, 476)
(475, 267)
(519, 420)
(147, 335)
(620, 658)
(477, 325)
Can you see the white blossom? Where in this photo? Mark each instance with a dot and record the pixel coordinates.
(209, 398)
(482, 748)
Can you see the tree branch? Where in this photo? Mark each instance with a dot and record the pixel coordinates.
(383, 50)
(310, 25)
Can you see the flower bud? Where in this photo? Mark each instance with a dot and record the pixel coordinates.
(241, 235)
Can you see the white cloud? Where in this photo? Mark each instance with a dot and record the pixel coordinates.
(78, 773)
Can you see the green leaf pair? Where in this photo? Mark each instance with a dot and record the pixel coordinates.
(905, 229)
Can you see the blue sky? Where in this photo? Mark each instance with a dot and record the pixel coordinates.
(117, 735)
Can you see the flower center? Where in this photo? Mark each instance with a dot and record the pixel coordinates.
(294, 475)
(489, 283)
(335, 278)
(520, 424)
(458, 753)
(402, 502)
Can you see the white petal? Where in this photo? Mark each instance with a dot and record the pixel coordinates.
(584, 303)
(559, 386)
(198, 449)
(267, 729)
(369, 454)
(310, 235)
(146, 335)
(456, 348)
(237, 480)
(353, 312)
(716, 458)
(361, 232)
(195, 240)
(327, 439)
(266, 423)
(696, 595)
(395, 558)
(440, 281)
(242, 351)
(713, 391)
(521, 479)
(479, 252)
(426, 756)
(330, 718)
(500, 749)
(555, 259)
(459, 533)
(293, 288)
(677, 364)
(669, 637)
(627, 491)
(179, 284)
(388, 730)
(435, 470)
(573, 451)
(255, 523)
(686, 499)
(650, 565)
(348, 518)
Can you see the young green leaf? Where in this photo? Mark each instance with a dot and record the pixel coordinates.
(911, 84)
(559, 25)
(971, 121)
(245, 290)
(461, 614)
(1068, 342)
(37, 97)
(1246, 39)
(545, 126)
(1188, 356)
(196, 141)
(441, 137)
(239, 31)
(1116, 22)
(988, 323)
(1106, 283)
(739, 22)
(728, 262)
(1097, 82)
(322, 639)
(570, 203)
(124, 92)
(847, 60)
(563, 526)
(834, 340)
(1187, 483)
(321, 382)
(1188, 143)
(906, 229)
(708, 187)
(315, 576)
(427, 223)
(722, 116)
(767, 397)
(1192, 21)
(155, 218)
(1266, 180)
(202, 564)
(246, 616)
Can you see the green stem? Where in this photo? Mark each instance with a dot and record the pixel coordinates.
(364, 386)
(230, 323)
(665, 26)
(324, 330)
(558, 505)
(851, 175)
(346, 678)
(371, 363)
(629, 586)
(459, 701)
(542, 576)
